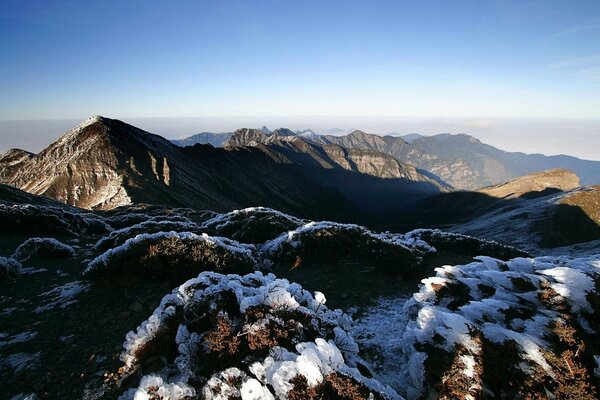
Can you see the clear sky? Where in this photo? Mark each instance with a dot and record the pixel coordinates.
(72, 59)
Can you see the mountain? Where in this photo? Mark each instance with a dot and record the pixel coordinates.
(214, 139)
(462, 160)
(105, 163)
(300, 150)
(540, 223)
(534, 185)
(467, 163)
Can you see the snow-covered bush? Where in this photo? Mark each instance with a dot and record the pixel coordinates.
(32, 219)
(468, 245)
(152, 225)
(8, 267)
(332, 242)
(248, 337)
(127, 216)
(42, 247)
(172, 255)
(252, 225)
(517, 329)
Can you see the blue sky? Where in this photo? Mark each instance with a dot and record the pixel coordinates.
(503, 59)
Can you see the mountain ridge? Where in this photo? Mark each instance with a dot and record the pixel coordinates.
(461, 160)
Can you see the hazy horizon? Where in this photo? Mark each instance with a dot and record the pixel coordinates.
(574, 137)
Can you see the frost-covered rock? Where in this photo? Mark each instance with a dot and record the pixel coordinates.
(252, 225)
(8, 267)
(324, 242)
(516, 329)
(174, 255)
(42, 248)
(248, 337)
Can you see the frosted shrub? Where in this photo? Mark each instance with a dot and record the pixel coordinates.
(173, 255)
(248, 337)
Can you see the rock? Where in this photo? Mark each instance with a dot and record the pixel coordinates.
(136, 307)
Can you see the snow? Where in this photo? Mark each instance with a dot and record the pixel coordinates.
(23, 396)
(293, 238)
(312, 359)
(449, 320)
(103, 260)
(38, 246)
(572, 284)
(223, 220)
(9, 266)
(63, 296)
(153, 387)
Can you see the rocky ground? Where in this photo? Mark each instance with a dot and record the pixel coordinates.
(358, 322)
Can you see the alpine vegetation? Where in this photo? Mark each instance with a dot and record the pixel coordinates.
(248, 337)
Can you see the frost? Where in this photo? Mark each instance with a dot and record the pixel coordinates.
(62, 296)
(249, 315)
(517, 303)
(194, 253)
(42, 247)
(154, 387)
(9, 267)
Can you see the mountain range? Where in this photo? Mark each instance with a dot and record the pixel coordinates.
(460, 160)
(105, 163)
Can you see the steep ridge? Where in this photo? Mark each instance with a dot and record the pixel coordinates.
(105, 163)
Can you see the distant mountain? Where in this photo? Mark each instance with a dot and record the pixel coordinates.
(463, 161)
(410, 137)
(302, 151)
(105, 163)
(214, 139)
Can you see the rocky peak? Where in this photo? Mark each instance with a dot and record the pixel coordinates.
(283, 132)
(247, 137)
